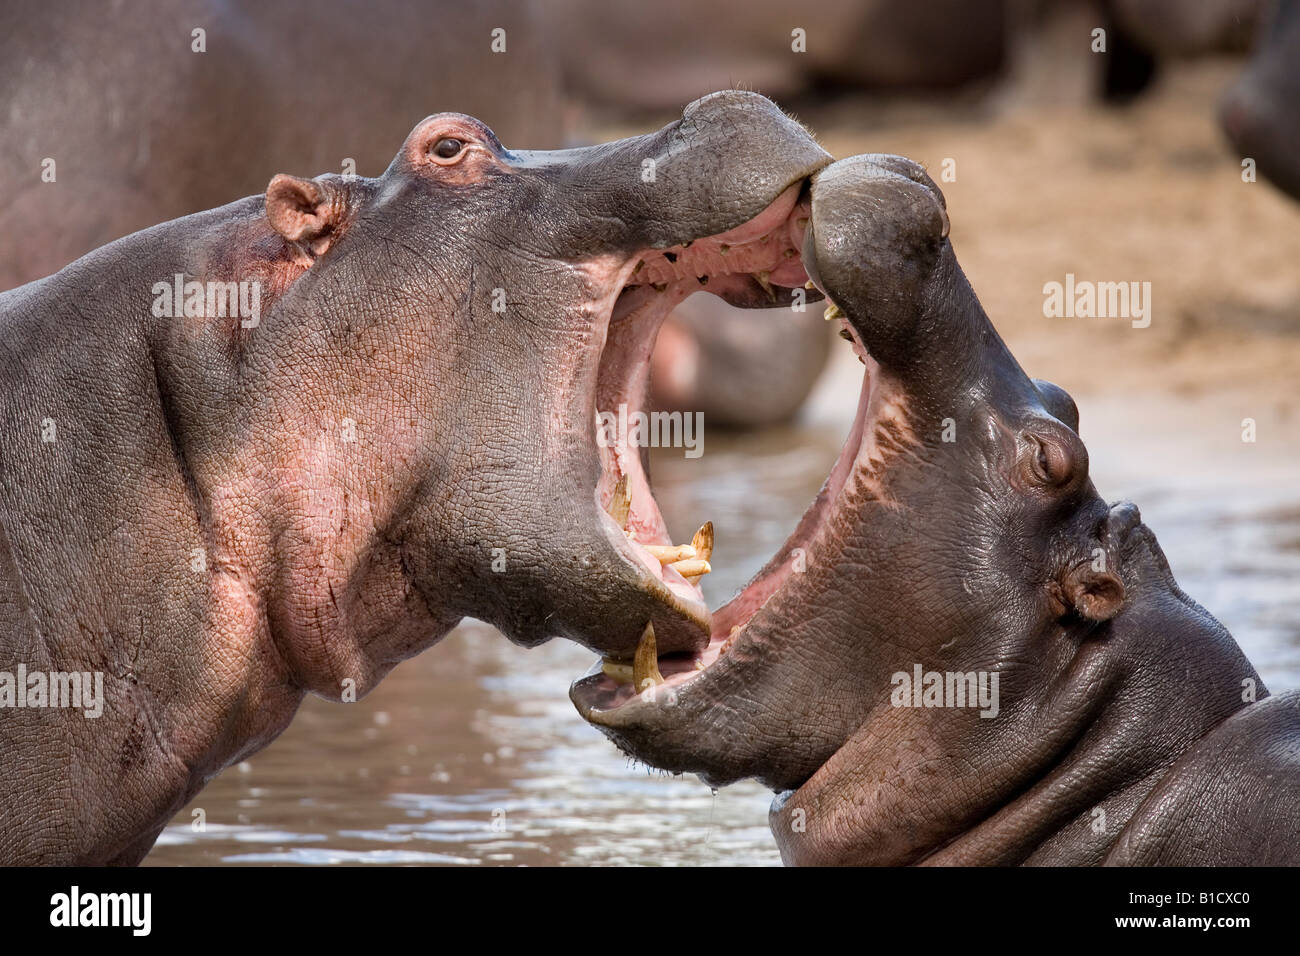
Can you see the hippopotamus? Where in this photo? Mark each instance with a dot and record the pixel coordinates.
(963, 654)
(279, 446)
(650, 58)
(84, 94)
(1260, 113)
(144, 121)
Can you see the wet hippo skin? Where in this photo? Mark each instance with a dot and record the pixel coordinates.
(219, 510)
(959, 533)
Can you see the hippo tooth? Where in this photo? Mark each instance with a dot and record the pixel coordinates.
(620, 506)
(846, 335)
(703, 541)
(617, 671)
(762, 279)
(731, 639)
(833, 311)
(645, 666)
(670, 553)
(691, 567)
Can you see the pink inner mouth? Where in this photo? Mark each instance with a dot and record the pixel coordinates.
(762, 254)
(730, 620)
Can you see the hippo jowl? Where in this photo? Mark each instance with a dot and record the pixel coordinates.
(963, 654)
(221, 513)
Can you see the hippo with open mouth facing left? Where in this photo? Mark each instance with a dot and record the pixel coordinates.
(963, 655)
(279, 446)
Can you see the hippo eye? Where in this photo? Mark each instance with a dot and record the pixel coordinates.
(447, 147)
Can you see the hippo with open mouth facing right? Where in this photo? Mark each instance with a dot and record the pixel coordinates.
(277, 447)
(963, 655)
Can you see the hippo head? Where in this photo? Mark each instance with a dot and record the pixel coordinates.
(958, 531)
(475, 308)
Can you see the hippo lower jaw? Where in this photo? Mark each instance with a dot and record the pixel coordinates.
(752, 265)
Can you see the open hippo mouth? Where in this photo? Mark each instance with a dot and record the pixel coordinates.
(758, 264)
(722, 712)
(653, 680)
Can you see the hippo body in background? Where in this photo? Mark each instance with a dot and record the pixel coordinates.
(652, 56)
(1179, 28)
(143, 129)
(739, 368)
(1261, 112)
(219, 510)
(959, 535)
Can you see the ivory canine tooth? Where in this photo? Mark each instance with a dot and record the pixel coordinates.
(620, 506)
(619, 672)
(670, 553)
(731, 639)
(703, 541)
(645, 666)
(692, 567)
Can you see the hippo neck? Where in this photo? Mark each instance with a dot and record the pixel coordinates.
(1135, 694)
(1091, 718)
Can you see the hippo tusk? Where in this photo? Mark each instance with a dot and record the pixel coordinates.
(645, 666)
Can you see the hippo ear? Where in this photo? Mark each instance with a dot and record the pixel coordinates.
(306, 212)
(1093, 595)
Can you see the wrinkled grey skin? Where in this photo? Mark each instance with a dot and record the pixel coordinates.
(1261, 111)
(1122, 734)
(228, 517)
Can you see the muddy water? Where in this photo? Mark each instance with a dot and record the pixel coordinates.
(472, 754)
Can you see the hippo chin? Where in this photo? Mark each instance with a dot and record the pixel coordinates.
(963, 654)
(279, 446)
